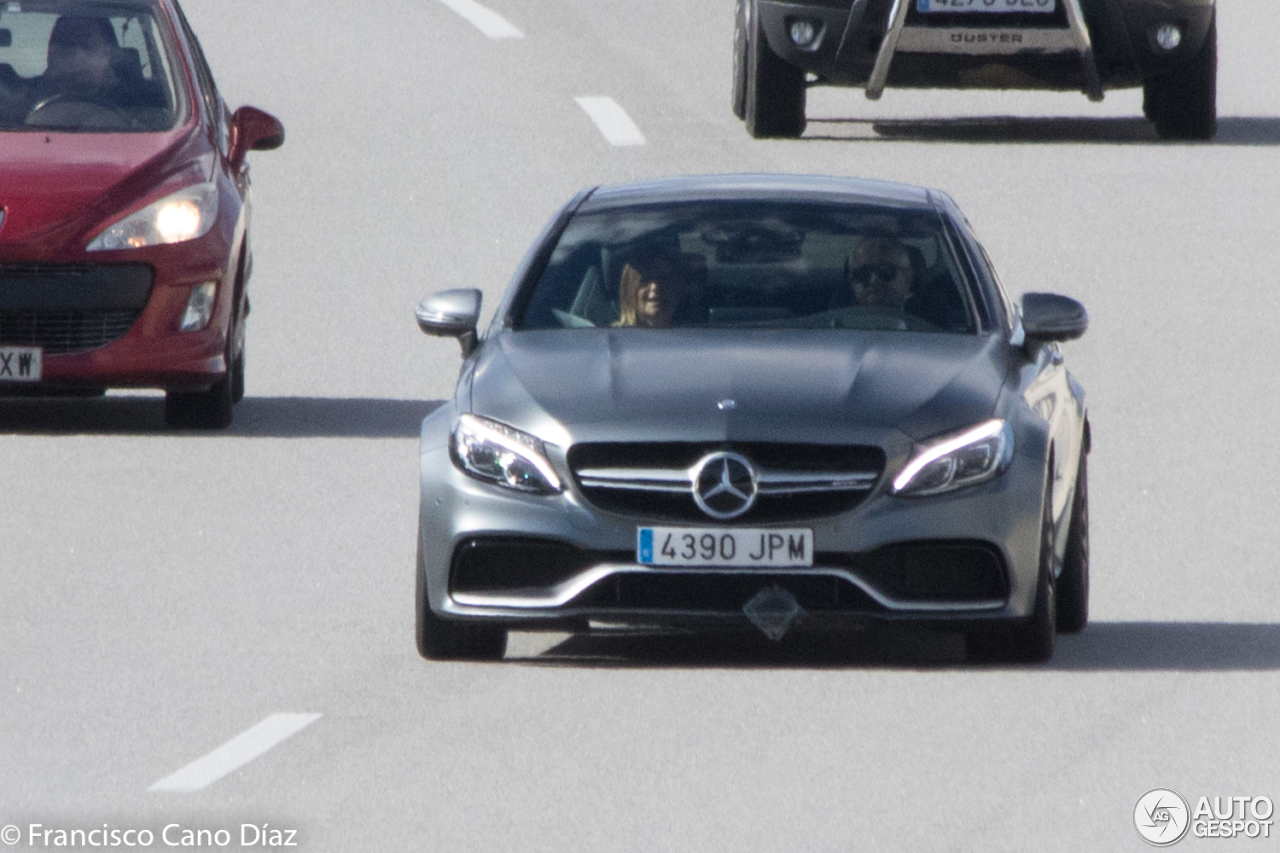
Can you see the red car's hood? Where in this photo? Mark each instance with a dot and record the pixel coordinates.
(55, 187)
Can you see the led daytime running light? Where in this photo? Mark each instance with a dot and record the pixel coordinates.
(508, 439)
(981, 432)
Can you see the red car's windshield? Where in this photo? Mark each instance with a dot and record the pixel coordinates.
(93, 67)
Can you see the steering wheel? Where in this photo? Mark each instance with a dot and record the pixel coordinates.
(872, 319)
(85, 112)
(918, 324)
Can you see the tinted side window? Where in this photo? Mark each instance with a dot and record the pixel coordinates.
(1001, 313)
(204, 80)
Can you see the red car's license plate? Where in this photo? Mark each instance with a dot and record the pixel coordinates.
(20, 364)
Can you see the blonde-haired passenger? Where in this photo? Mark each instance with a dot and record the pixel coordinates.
(650, 290)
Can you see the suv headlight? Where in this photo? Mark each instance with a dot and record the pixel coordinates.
(497, 453)
(954, 461)
(184, 215)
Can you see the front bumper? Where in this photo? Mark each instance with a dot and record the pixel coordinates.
(1121, 32)
(111, 320)
(491, 554)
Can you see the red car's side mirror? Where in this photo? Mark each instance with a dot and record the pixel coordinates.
(255, 130)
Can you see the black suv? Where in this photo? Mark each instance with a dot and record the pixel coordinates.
(1168, 47)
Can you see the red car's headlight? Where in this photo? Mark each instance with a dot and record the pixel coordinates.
(184, 215)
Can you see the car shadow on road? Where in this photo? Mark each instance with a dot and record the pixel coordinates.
(748, 649)
(1232, 130)
(1103, 646)
(255, 417)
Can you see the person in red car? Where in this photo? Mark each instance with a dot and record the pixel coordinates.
(80, 53)
(87, 66)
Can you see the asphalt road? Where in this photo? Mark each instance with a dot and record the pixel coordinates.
(164, 596)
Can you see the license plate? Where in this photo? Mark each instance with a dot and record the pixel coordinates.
(718, 546)
(991, 6)
(20, 364)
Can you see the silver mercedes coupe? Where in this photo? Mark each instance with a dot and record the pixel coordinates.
(774, 402)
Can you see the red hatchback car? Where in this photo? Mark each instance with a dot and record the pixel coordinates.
(124, 207)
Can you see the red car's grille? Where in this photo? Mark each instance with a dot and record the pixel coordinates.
(64, 331)
(65, 308)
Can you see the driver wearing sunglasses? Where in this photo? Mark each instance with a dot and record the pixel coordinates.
(880, 273)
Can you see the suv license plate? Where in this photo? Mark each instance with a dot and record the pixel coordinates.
(719, 546)
(989, 6)
(20, 364)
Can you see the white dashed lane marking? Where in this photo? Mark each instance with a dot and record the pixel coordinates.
(614, 123)
(485, 20)
(235, 753)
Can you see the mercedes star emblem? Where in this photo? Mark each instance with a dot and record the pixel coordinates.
(724, 485)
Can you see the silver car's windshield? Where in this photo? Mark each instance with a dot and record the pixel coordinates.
(752, 265)
(91, 67)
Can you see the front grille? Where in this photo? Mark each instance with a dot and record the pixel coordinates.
(65, 308)
(650, 480)
(64, 331)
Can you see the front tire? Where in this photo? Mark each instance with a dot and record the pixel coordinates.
(774, 99)
(1073, 584)
(1033, 639)
(447, 639)
(237, 377)
(210, 409)
(200, 409)
(740, 59)
(1183, 105)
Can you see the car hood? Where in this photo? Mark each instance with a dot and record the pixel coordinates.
(59, 186)
(824, 386)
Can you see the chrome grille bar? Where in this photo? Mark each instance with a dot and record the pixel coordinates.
(799, 482)
(680, 480)
(640, 479)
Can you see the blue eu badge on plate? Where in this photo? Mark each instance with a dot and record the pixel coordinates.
(646, 545)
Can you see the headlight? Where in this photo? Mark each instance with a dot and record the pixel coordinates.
(185, 215)
(499, 454)
(954, 461)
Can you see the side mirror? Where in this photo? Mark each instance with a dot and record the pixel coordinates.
(255, 131)
(1050, 317)
(451, 314)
